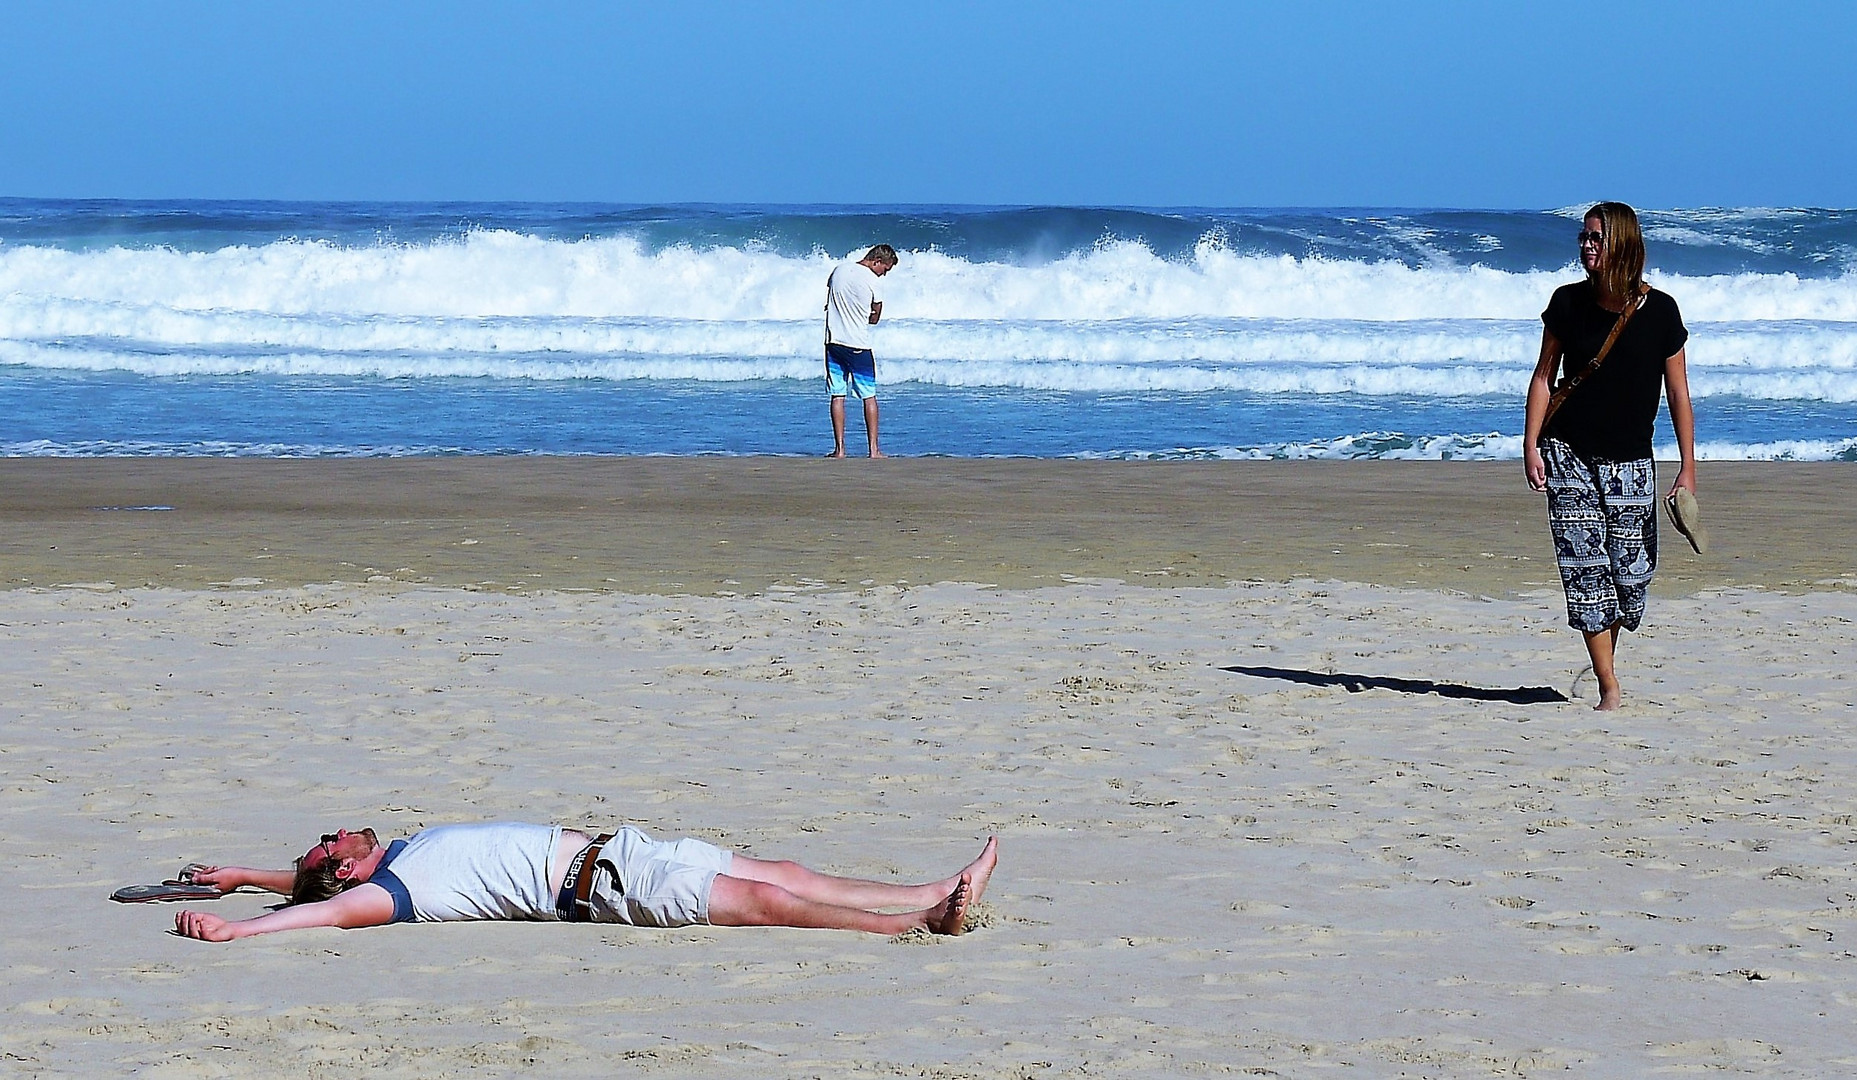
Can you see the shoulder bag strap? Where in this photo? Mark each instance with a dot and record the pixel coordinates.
(1572, 382)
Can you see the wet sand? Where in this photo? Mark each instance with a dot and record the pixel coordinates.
(747, 525)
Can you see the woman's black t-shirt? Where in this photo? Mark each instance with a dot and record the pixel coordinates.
(1610, 416)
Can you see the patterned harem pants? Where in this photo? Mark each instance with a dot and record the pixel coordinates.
(1604, 518)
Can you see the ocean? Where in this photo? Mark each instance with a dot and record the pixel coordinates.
(383, 329)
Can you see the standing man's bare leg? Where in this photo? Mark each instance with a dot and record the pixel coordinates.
(838, 426)
(869, 895)
(870, 427)
(1603, 648)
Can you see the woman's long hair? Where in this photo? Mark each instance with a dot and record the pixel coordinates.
(1621, 256)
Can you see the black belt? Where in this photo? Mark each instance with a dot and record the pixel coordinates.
(574, 904)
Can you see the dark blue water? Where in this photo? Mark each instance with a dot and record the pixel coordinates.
(392, 328)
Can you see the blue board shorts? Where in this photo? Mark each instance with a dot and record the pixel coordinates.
(852, 369)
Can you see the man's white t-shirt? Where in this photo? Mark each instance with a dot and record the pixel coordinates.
(495, 871)
(849, 294)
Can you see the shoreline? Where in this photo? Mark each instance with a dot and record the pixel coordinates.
(744, 526)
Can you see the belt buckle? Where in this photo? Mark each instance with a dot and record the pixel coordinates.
(579, 885)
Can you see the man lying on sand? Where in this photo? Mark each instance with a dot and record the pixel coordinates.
(515, 871)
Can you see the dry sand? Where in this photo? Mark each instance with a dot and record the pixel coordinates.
(1306, 868)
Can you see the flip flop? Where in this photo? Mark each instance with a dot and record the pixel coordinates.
(142, 894)
(185, 877)
(1687, 515)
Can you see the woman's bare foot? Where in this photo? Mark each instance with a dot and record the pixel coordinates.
(1602, 648)
(950, 916)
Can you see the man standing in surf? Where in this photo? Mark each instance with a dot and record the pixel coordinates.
(853, 304)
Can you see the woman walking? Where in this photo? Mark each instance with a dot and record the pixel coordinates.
(1618, 346)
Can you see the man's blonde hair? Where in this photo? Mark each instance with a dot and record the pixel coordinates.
(882, 253)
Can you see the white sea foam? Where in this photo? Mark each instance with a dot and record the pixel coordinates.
(507, 305)
(1788, 361)
(218, 448)
(1370, 444)
(1364, 445)
(1779, 450)
(1294, 325)
(496, 273)
(1490, 447)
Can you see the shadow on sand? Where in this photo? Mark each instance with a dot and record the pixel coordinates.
(1354, 684)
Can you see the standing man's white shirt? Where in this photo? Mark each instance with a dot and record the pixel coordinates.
(851, 292)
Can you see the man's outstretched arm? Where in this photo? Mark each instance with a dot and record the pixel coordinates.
(228, 878)
(363, 905)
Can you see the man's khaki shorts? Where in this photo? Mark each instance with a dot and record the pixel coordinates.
(646, 882)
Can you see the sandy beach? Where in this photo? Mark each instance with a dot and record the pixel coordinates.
(1289, 761)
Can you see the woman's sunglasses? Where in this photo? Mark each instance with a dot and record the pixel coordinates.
(1597, 238)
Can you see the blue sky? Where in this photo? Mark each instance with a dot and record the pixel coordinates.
(1155, 104)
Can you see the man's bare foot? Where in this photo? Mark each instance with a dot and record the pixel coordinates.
(977, 872)
(875, 453)
(950, 916)
(836, 453)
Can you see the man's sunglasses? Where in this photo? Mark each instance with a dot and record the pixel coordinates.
(327, 847)
(1598, 238)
